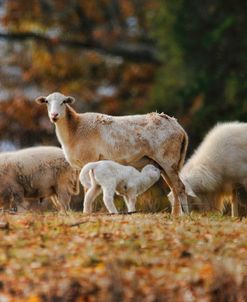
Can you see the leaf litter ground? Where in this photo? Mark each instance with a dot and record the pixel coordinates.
(139, 257)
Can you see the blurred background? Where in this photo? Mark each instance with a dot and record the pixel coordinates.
(186, 58)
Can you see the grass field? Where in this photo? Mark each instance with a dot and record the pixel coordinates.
(139, 257)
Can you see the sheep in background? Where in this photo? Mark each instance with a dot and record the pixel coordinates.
(37, 173)
(90, 137)
(219, 163)
(109, 177)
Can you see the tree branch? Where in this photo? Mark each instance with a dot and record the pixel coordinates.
(136, 52)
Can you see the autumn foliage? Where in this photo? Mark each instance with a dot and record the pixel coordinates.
(186, 58)
(122, 258)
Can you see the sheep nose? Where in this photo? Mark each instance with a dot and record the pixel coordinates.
(54, 115)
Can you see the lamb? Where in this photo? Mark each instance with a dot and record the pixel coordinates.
(109, 177)
(37, 173)
(210, 176)
(90, 137)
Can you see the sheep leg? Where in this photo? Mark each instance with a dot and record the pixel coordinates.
(234, 203)
(55, 202)
(62, 199)
(176, 206)
(108, 196)
(16, 200)
(177, 187)
(91, 194)
(67, 201)
(68, 205)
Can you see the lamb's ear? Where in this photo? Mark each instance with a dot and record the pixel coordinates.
(41, 100)
(69, 100)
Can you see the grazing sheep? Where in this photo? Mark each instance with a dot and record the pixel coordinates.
(37, 173)
(109, 177)
(91, 137)
(216, 167)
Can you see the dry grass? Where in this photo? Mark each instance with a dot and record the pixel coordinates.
(139, 257)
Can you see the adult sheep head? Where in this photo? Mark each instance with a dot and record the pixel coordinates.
(56, 105)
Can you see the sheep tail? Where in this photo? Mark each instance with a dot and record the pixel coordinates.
(183, 151)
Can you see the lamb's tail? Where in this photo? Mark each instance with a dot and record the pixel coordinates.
(183, 151)
(86, 176)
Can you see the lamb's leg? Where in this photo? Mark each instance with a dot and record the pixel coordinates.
(91, 194)
(130, 201)
(108, 196)
(126, 200)
(175, 184)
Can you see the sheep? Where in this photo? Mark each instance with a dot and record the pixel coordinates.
(212, 173)
(37, 173)
(109, 177)
(90, 137)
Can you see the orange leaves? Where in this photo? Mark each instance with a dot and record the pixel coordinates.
(22, 120)
(138, 72)
(34, 298)
(127, 8)
(94, 58)
(27, 223)
(4, 225)
(22, 112)
(138, 257)
(207, 271)
(92, 10)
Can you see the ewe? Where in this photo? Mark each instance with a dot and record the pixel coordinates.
(109, 177)
(213, 171)
(91, 137)
(37, 173)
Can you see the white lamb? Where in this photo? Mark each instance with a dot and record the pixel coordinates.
(218, 164)
(109, 177)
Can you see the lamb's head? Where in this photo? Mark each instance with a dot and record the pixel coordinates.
(152, 172)
(56, 105)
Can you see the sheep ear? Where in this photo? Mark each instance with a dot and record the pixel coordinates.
(189, 191)
(169, 195)
(69, 100)
(41, 100)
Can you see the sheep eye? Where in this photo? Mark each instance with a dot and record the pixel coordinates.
(46, 101)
